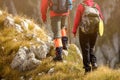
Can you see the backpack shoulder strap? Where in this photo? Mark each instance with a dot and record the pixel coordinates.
(84, 4)
(49, 2)
(94, 5)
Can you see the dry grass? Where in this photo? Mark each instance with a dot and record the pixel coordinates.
(72, 69)
(104, 73)
(11, 40)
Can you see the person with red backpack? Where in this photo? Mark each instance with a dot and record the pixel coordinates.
(59, 10)
(88, 16)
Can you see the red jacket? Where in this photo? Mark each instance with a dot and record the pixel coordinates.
(79, 13)
(44, 7)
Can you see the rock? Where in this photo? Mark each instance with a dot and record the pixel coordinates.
(30, 79)
(18, 28)
(51, 70)
(40, 51)
(78, 51)
(39, 74)
(36, 27)
(38, 40)
(22, 78)
(19, 58)
(15, 40)
(3, 48)
(65, 61)
(30, 55)
(29, 36)
(1, 12)
(30, 64)
(9, 21)
(65, 52)
(25, 60)
(25, 25)
(50, 40)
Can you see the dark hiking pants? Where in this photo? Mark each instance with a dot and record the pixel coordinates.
(87, 43)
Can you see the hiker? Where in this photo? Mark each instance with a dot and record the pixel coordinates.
(88, 23)
(59, 10)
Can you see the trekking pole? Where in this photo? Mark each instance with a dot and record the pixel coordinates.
(69, 30)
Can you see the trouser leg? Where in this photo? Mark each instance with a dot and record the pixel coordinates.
(56, 28)
(65, 43)
(58, 46)
(84, 43)
(64, 32)
(92, 41)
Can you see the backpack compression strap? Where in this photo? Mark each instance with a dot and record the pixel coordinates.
(49, 3)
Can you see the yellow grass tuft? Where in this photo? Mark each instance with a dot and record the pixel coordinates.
(104, 73)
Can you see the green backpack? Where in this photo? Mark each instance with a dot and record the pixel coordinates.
(90, 19)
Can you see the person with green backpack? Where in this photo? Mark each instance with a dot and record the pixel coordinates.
(88, 17)
(59, 10)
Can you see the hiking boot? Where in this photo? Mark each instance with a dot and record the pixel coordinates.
(57, 58)
(87, 70)
(94, 66)
(65, 43)
(58, 54)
